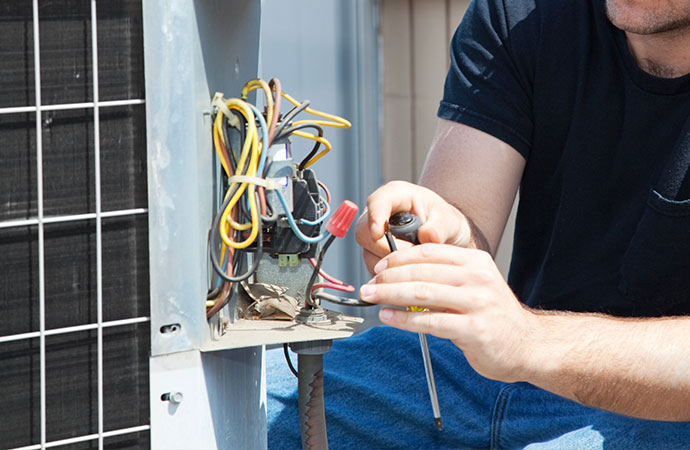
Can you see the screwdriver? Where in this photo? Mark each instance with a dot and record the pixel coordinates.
(404, 225)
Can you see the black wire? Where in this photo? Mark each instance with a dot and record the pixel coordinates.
(317, 267)
(274, 214)
(238, 265)
(214, 245)
(316, 147)
(285, 133)
(237, 278)
(226, 135)
(342, 300)
(215, 292)
(289, 361)
(287, 118)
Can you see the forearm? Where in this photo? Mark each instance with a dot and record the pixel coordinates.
(636, 367)
(479, 175)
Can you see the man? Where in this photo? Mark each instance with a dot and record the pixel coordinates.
(585, 107)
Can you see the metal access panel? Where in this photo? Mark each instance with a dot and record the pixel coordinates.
(192, 50)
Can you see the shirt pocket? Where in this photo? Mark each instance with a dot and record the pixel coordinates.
(656, 265)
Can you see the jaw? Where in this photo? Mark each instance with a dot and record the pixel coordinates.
(658, 33)
(647, 17)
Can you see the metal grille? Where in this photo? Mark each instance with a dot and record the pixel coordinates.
(74, 328)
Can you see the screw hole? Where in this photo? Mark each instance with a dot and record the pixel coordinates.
(171, 328)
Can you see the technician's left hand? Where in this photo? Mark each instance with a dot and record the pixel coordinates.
(468, 300)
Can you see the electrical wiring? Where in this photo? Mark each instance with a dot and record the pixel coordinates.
(242, 136)
(317, 267)
(274, 85)
(289, 361)
(326, 212)
(225, 138)
(225, 296)
(235, 279)
(258, 83)
(295, 229)
(325, 189)
(213, 249)
(335, 286)
(327, 277)
(342, 300)
(318, 139)
(286, 133)
(333, 120)
(264, 139)
(289, 116)
(250, 150)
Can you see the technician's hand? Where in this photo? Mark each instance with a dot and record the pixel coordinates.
(442, 222)
(469, 303)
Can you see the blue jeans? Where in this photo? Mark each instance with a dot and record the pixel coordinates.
(376, 398)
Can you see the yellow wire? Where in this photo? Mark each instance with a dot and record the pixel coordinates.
(258, 83)
(250, 149)
(337, 122)
(242, 107)
(216, 144)
(316, 138)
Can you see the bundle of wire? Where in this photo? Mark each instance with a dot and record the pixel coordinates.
(237, 227)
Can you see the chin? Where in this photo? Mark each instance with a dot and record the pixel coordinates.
(649, 16)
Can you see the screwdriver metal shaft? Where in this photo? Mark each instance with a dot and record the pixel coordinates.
(426, 356)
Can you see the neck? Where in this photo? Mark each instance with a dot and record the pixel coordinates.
(665, 55)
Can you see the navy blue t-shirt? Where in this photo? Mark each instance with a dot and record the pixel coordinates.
(603, 222)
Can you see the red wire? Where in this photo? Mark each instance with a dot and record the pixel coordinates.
(326, 276)
(337, 287)
(325, 189)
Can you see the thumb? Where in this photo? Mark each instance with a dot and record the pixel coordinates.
(428, 234)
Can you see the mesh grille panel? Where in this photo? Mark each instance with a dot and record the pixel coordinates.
(69, 246)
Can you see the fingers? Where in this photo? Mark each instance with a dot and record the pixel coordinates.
(435, 254)
(389, 198)
(446, 326)
(370, 260)
(433, 296)
(433, 273)
(373, 249)
(377, 247)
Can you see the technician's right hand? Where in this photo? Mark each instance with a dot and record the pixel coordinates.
(442, 222)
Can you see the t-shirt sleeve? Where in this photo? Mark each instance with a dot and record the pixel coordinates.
(489, 85)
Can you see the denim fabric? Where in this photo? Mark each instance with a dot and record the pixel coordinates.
(376, 398)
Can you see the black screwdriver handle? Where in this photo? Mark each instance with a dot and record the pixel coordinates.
(404, 225)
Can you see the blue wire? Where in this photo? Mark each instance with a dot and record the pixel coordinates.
(264, 139)
(320, 219)
(293, 225)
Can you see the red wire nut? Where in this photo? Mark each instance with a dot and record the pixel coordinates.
(342, 219)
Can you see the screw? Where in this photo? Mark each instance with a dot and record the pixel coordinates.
(172, 397)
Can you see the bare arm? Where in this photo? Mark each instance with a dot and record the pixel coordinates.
(637, 367)
(478, 174)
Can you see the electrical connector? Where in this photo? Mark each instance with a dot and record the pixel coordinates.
(342, 219)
